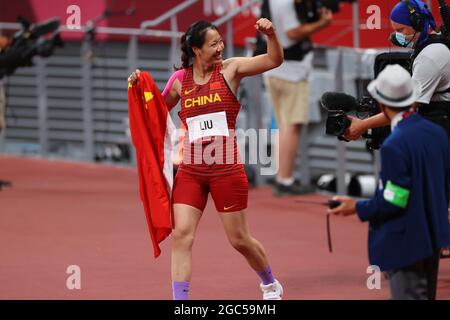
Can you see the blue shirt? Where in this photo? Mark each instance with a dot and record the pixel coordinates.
(415, 157)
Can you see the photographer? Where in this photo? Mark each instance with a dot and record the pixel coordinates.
(407, 216)
(412, 22)
(288, 84)
(4, 60)
(33, 40)
(19, 50)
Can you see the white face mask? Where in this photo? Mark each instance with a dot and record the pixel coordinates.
(401, 39)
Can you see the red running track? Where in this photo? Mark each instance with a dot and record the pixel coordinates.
(59, 214)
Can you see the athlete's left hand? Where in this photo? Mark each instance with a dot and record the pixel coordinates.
(265, 26)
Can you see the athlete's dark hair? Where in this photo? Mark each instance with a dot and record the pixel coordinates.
(194, 37)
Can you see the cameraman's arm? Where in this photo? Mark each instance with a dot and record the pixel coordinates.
(6, 58)
(358, 126)
(10, 59)
(307, 29)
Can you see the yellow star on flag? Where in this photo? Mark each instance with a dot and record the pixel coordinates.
(148, 96)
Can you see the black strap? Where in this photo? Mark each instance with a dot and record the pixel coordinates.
(295, 52)
(436, 108)
(445, 91)
(330, 246)
(434, 38)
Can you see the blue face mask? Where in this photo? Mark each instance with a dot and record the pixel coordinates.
(401, 39)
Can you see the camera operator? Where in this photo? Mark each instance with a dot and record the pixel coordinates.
(407, 216)
(8, 58)
(19, 50)
(4, 60)
(412, 22)
(288, 84)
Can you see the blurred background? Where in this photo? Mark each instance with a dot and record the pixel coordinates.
(73, 103)
(66, 100)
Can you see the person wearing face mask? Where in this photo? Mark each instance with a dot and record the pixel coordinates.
(414, 28)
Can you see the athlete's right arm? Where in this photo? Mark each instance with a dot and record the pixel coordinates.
(172, 91)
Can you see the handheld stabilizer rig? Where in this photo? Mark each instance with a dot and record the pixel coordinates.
(339, 105)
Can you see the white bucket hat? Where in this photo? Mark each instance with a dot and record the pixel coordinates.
(393, 87)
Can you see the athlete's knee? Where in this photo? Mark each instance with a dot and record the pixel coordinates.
(183, 237)
(241, 242)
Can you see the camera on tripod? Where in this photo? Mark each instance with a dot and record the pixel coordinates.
(32, 40)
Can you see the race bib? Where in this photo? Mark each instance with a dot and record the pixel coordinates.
(207, 125)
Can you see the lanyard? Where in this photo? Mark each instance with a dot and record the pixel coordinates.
(331, 204)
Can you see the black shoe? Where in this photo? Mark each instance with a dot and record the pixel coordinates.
(271, 181)
(4, 184)
(445, 253)
(294, 189)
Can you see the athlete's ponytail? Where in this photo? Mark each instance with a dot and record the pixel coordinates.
(186, 52)
(194, 37)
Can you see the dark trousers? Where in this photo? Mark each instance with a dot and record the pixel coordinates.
(415, 282)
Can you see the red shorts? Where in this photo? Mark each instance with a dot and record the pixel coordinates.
(229, 192)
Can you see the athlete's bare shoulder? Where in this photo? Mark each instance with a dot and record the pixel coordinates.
(229, 71)
(229, 68)
(229, 63)
(239, 67)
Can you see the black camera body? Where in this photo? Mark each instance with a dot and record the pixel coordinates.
(29, 42)
(337, 122)
(375, 136)
(339, 105)
(309, 10)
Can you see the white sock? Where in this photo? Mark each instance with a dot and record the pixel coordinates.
(286, 181)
